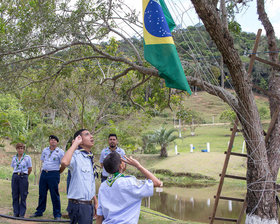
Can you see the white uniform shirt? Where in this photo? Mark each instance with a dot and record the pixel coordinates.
(22, 165)
(82, 183)
(51, 159)
(120, 203)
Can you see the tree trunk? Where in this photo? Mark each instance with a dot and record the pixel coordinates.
(163, 151)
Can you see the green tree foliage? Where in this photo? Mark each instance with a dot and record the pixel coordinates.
(163, 137)
(148, 146)
(228, 116)
(12, 117)
(264, 113)
(56, 57)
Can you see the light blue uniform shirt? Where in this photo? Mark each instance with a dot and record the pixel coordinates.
(82, 184)
(105, 152)
(51, 159)
(120, 203)
(21, 166)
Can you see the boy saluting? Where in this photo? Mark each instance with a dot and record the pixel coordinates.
(81, 194)
(119, 197)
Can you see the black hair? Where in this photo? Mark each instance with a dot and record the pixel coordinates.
(114, 135)
(53, 137)
(77, 133)
(112, 162)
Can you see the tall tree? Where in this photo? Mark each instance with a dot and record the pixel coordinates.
(263, 159)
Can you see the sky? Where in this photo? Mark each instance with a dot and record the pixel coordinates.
(248, 18)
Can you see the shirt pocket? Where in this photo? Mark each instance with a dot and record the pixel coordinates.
(85, 173)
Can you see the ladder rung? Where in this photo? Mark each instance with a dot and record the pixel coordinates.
(224, 219)
(235, 177)
(237, 154)
(230, 198)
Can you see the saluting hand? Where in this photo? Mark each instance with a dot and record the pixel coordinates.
(78, 140)
(131, 161)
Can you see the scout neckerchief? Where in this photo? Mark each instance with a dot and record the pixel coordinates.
(91, 157)
(51, 152)
(17, 161)
(113, 178)
(88, 154)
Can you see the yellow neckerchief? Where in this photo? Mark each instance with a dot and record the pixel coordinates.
(17, 161)
(113, 178)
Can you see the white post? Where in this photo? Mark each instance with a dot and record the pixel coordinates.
(192, 201)
(176, 150)
(208, 146)
(208, 202)
(243, 146)
(230, 205)
(191, 145)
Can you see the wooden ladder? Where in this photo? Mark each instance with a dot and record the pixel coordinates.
(228, 153)
(223, 175)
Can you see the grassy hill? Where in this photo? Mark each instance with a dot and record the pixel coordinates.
(208, 105)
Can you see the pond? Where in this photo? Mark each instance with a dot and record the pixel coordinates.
(194, 204)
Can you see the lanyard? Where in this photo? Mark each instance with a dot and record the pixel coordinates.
(17, 161)
(51, 152)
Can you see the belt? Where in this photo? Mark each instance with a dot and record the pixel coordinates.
(20, 174)
(48, 171)
(75, 201)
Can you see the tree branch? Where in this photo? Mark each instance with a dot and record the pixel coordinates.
(214, 90)
(132, 88)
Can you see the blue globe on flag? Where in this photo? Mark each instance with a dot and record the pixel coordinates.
(154, 20)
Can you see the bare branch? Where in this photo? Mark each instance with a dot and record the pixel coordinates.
(132, 88)
(214, 90)
(118, 76)
(26, 49)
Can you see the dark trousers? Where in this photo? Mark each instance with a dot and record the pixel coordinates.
(80, 213)
(49, 181)
(19, 193)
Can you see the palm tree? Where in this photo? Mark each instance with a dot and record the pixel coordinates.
(163, 137)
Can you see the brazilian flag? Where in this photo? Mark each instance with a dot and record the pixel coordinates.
(159, 48)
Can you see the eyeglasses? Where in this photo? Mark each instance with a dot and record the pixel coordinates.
(20, 147)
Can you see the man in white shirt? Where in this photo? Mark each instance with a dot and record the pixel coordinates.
(113, 147)
(50, 178)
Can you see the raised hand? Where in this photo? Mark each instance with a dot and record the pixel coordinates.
(131, 161)
(78, 140)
